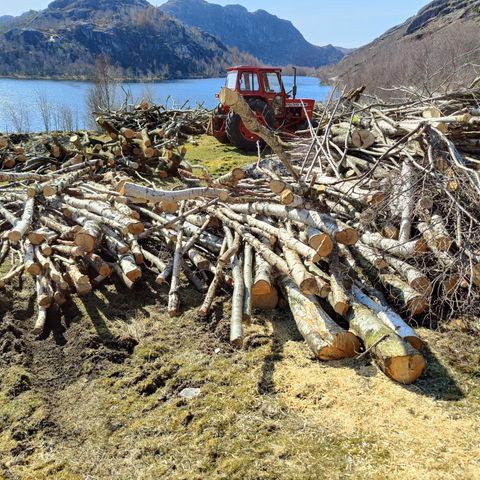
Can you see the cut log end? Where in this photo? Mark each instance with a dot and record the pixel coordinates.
(417, 305)
(85, 241)
(415, 342)
(309, 286)
(322, 243)
(405, 369)
(347, 236)
(261, 287)
(267, 301)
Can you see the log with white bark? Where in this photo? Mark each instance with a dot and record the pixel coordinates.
(106, 211)
(23, 225)
(156, 196)
(40, 321)
(248, 282)
(396, 357)
(173, 298)
(338, 297)
(414, 277)
(80, 281)
(89, 236)
(224, 257)
(326, 339)
(394, 247)
(406, 201)
(338, 230)
(415, 302)
(44, 291)
(389, 317)
(231, 178)
(236, 316)
(31, 266)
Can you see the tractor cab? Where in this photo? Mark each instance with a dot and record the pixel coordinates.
(263, 89)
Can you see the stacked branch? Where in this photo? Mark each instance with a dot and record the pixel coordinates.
(369, 223)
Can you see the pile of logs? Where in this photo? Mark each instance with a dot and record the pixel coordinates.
(147, 139)
(359, 237)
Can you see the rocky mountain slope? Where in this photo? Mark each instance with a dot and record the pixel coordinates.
(269, 38)
(141, 41)
(430, 50)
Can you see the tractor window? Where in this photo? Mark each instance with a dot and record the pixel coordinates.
(231, 80)
(272, 83)
(249, 82)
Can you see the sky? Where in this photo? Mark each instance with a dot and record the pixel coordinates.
(344, 23)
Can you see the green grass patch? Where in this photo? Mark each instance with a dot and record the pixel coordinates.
(215, 156)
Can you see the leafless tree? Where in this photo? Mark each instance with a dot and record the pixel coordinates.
(102, 94)
(66, 119)
(44, 108)
(18, 116)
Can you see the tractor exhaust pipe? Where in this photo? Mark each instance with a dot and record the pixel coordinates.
(294, 89)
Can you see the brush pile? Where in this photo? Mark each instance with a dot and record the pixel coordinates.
(370, 224)
(146, 139)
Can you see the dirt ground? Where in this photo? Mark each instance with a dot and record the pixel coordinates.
(97, 397)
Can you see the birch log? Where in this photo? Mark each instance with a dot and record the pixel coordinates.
(389, 317)
(396, 357)
(326, 339)
(23, 225)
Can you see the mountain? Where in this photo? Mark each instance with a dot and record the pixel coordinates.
(433, 50)
(9, 21)
(65, 39)
(267, 37)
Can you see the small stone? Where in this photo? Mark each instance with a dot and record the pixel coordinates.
(189, 393)
(217, 350)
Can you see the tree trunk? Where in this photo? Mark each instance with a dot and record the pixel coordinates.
(397, 358)
(325, 338)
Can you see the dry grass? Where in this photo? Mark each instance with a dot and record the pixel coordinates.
(269, 411)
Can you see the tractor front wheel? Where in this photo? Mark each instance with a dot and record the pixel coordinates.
(218, 124)
(239, 135)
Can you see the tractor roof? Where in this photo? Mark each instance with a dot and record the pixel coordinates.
(253, 67)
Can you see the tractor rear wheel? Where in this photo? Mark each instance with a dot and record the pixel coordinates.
(239, 135)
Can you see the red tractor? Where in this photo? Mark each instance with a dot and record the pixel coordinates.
(264, 91)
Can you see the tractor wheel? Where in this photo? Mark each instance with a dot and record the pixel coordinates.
(218, 124)
(239, 135)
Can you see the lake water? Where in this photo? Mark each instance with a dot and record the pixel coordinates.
(19, 110)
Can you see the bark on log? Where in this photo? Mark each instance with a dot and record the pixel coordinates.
(325, 338)
(390, 318)
(336, 229)
(155, 196)
(394, 247)
(23, 225)
(173, 298)
(248, 282)
(236, 317)
(397, 358)
(40, 322)
(412, 300)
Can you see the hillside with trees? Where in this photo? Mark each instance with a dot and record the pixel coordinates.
(267, 37)
(434, 51)
(64, 40)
